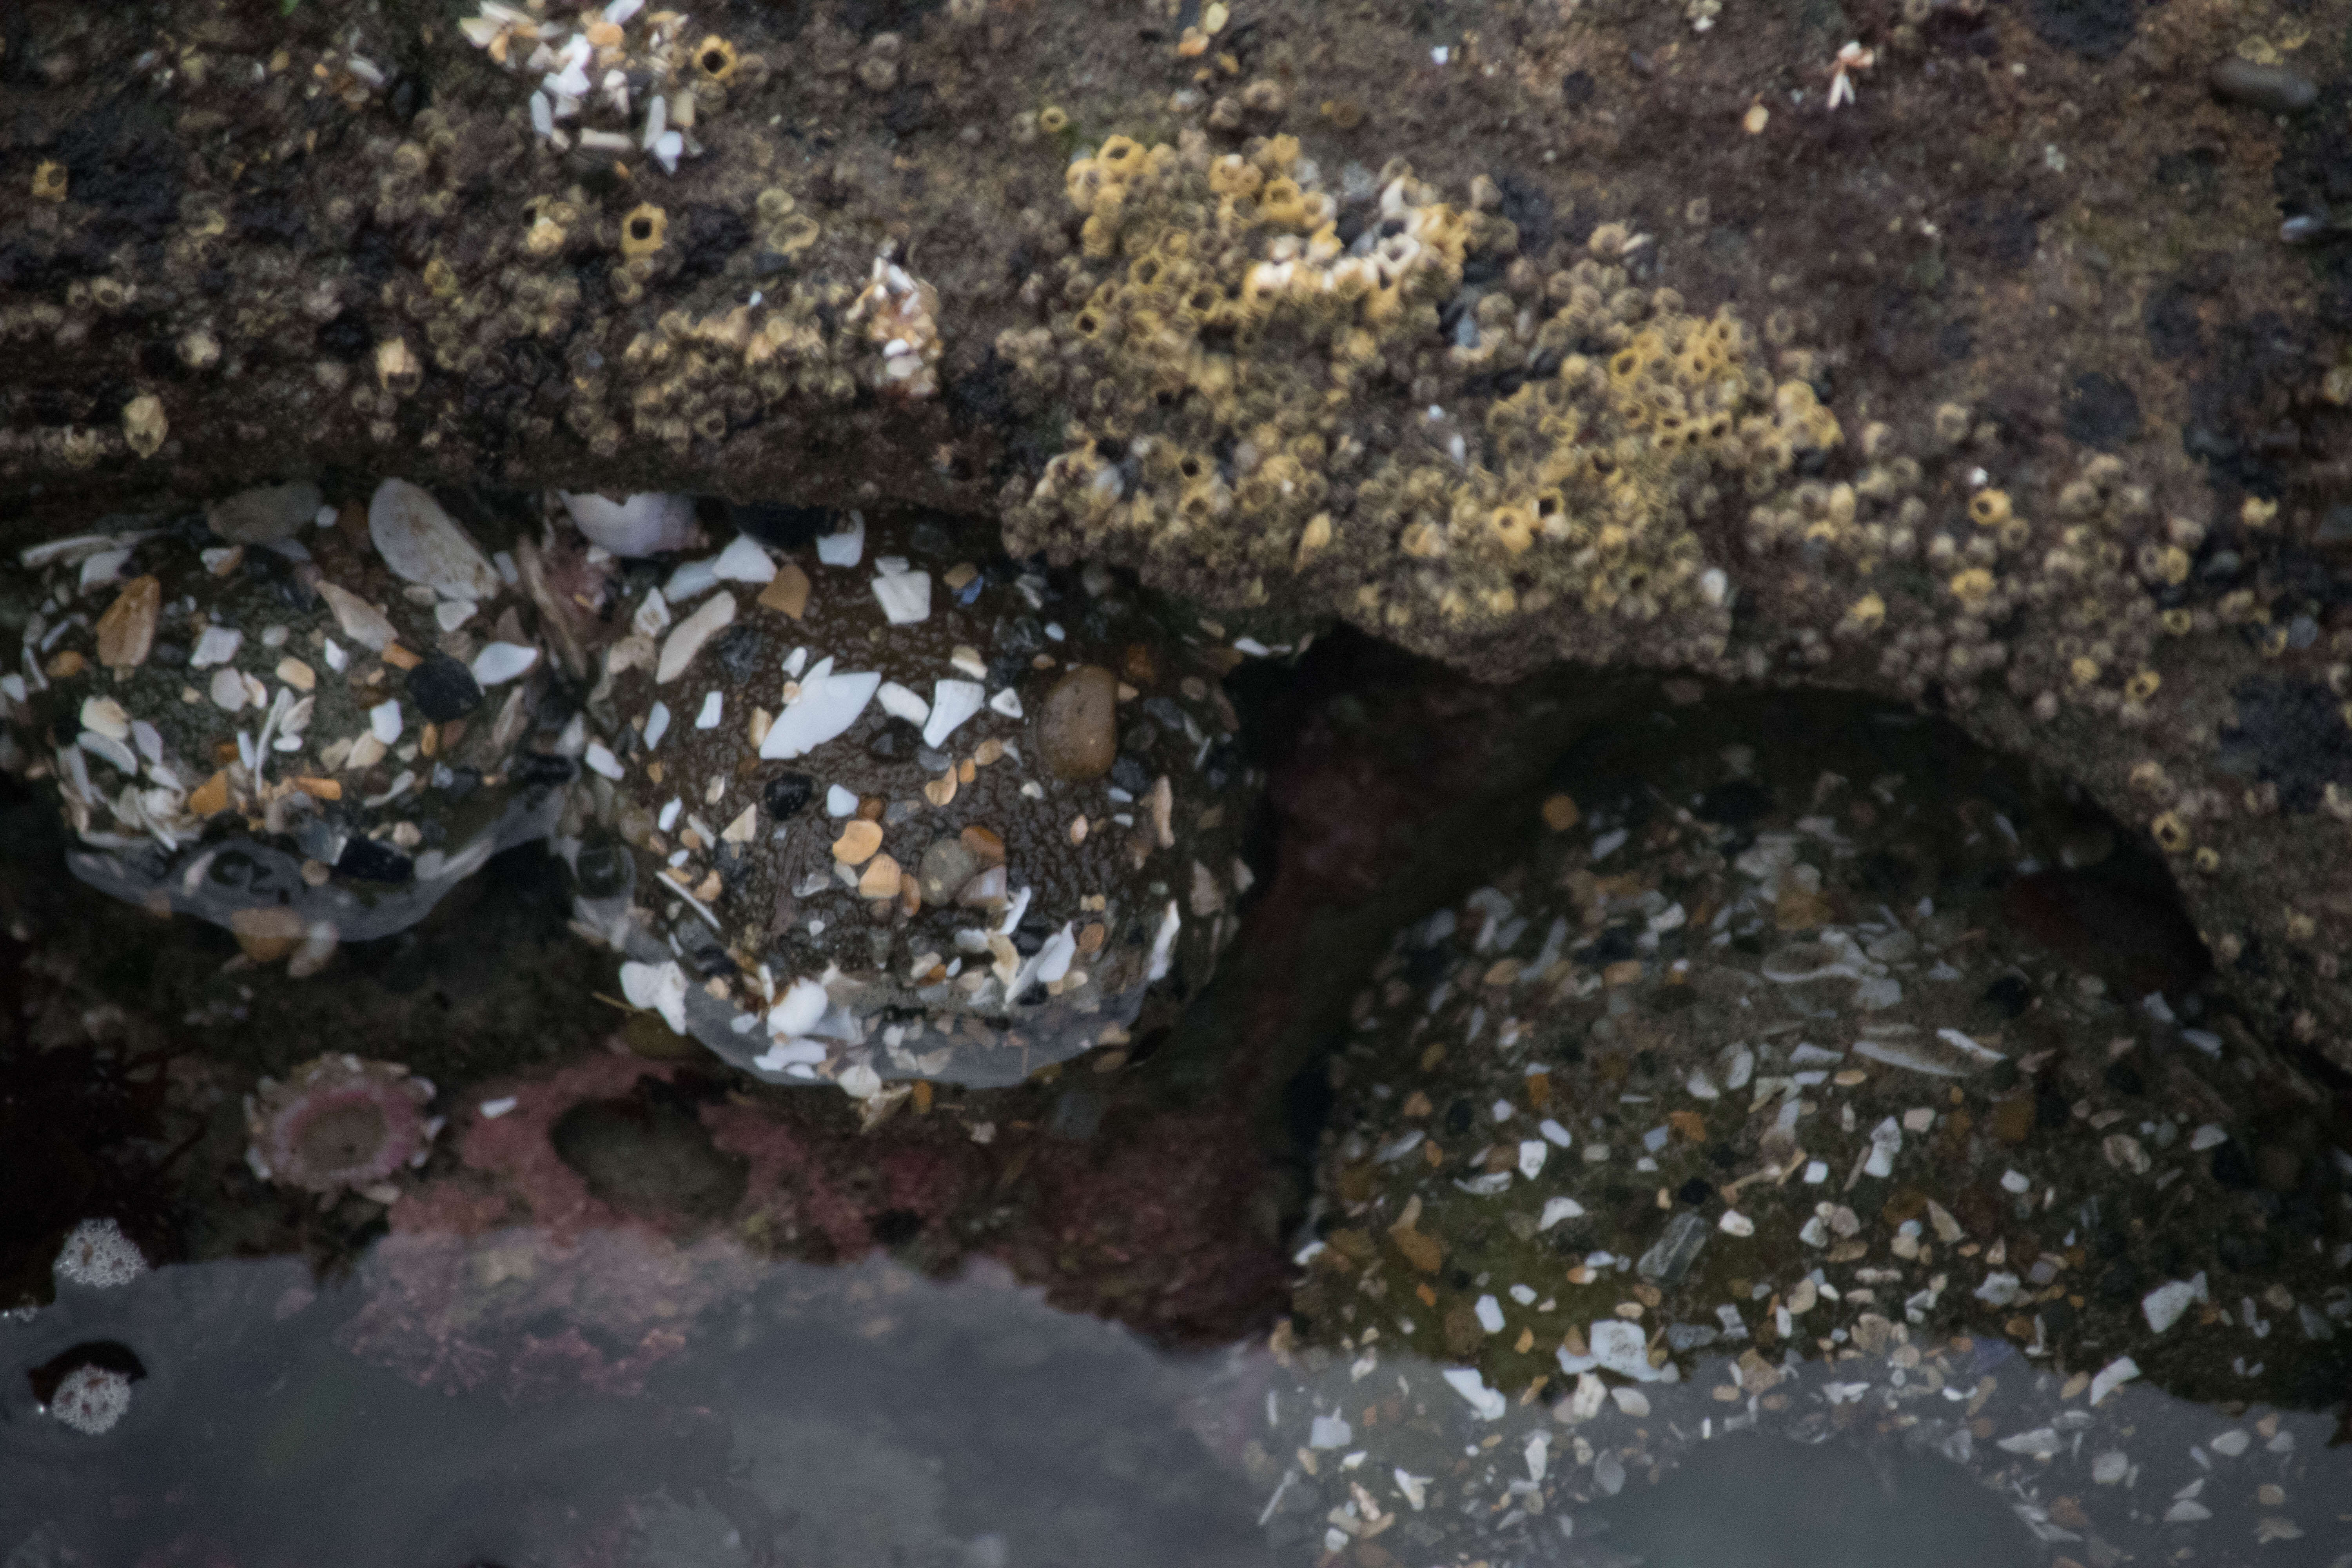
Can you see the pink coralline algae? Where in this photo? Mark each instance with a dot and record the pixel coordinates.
(339, 1122)
(457, 1312)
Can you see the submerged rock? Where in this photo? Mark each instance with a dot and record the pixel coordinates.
(1672, 1102)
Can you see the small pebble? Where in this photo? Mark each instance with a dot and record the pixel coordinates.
(2273, 89)
(443, 690)
(1077, 728)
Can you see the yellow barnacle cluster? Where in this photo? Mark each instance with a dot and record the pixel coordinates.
(1252, 375)
(698, 377)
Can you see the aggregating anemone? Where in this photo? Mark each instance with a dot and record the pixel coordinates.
(868, 807)
(303, 722)
(338, 1125)
(1762, 1097)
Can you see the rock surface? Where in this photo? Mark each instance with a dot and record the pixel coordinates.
(2043, 431)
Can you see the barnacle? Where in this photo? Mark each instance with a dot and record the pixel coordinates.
(644, 231)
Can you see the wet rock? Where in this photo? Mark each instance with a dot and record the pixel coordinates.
(2101, 412)
(2094, 29)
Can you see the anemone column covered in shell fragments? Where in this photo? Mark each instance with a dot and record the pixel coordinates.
(868, 807)
(1680, 1126)
(301, 721)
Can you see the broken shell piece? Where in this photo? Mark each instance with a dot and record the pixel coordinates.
(423, 545)
(648, 524)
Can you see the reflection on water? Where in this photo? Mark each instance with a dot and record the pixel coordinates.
(622, 1399)
(776, 1412)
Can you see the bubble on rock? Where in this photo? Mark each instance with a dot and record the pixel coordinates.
(423, 545)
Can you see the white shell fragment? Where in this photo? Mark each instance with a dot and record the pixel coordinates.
(952, 702)
(2112, 1376)
(500, 662)
(827, 705)
(361, 621)
(745, 561)
(217, 645)
(421, 543)
(647, 524)
(844, 548)
(687, 638)
(905, 598)
(1951, 1054)
(1489, 1403)
(659, 988)
(901, 703)
(2164, 1305)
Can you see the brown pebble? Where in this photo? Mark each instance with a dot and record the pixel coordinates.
(1077, 728)
(984, 843)
(880, 879)
(126, 630)
(1423, 1252)
(2013, 1119)
(210, 796)
(267, 934)
(945, 867)
(1560, 813)
(858, 841)
(788, 591)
